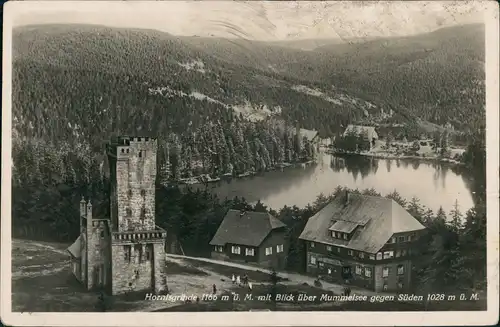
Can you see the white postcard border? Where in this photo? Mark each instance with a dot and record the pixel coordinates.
(354, 318)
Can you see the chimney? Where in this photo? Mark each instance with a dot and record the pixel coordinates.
(347, 198)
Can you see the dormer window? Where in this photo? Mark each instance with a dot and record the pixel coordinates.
(345, 236)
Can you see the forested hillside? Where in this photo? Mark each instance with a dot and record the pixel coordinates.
(209, 101)
(438, 77)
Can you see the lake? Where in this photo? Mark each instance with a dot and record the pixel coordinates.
(435, 184)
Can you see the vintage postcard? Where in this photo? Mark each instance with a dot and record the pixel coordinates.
(229, 163)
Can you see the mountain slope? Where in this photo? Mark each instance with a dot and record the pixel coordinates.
(61, 68)
(437, 76)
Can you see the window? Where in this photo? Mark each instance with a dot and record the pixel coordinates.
(329, 248)
(338, 250)
(388, 254)
(129, 193)
(368, 272)
(221, 249)
(401, 239)
(345, 236)
(329, 271)
(250, 252)
(372, 257)
(385, 287)
(279, 248)
(321, 264)
(409, 238)
(361, 255)
(359, 270)
(349, 252)
(148, 253)
(393, 240)
(235, 249)
(269, 250)
(313, 260)
(143, 192)
(398, 253)
(140, 154)
(138, 250)
(385, 272)
(143, 213)
(403, 253)
(102, 234)
(379, 256)
(401, 270)
(400, 285)
(126, 251)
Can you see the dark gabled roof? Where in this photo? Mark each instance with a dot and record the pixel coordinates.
(249, 229)
(377, 219)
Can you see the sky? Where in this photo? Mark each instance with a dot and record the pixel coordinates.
(260, 20)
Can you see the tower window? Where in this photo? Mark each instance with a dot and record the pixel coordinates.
(128, 150)
(126, 251)
(129, 212)
(143, 213)
(123, 150)
(143, 192)
(146, 139)
(130, 193)
(139, 139)
(140, 154)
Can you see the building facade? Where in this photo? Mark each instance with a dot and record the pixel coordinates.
(125, 252)
(374, 238)
(367, 132)
(251, 237)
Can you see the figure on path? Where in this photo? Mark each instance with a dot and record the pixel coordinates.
(238, 280)
(233, 279)
(214, 289)
(250, 286)
(245, 279)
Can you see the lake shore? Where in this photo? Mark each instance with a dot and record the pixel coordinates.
(387, 155)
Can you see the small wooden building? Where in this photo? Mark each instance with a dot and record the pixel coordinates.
(251, 237)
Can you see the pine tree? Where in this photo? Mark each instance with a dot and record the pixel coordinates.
(456, 219)
(397, 197)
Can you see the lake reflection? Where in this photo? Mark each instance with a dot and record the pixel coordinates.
(434, 184)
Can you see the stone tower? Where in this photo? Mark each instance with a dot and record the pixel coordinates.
(125, 252)
(137, 244)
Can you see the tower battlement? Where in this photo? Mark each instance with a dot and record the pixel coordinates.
(125, 147)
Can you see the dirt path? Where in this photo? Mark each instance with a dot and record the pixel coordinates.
(293, 278)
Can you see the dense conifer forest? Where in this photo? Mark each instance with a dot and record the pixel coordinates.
(75, 87)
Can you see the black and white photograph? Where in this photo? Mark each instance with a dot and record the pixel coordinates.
(267, 159)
